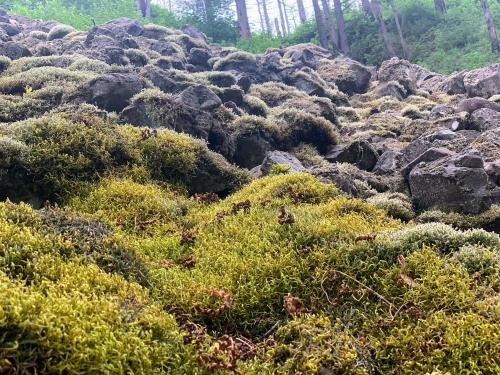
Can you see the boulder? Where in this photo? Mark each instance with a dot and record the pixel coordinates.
(430, 155)
(124, 26)
(391, 88)
(472, 104)
(486, 119)
(457, 182)
(199, 97)
(199, 57)
(161, 79)
(360, 153)
(282, 158)
(14, 50)
(388, 163)
(9, 28)
(193, 32)
(110, 91)
(452, 84)
(350, 76)
(484, 82)
(400, 71)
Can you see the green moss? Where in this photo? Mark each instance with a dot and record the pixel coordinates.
(65, 156)
(231, 59)
(84, 64)
(137, 57)
(59, 31)
(275, 93)
(4, 63)
(255, 106)
(37, 78)
(26, 63)
(464, 343)
(300, 127)
(136, 208)
(397, 205)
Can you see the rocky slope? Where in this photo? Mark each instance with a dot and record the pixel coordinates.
(337, 258)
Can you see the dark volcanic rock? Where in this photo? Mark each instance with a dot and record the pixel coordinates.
(110, 91)
(457, 182)
(199, 97)
(360, 153)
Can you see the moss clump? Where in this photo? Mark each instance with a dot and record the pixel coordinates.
(4, 63)
(488, 220)
(37, 34)
(59, 32)
(255, 106)
(85, 64)
(234, 59)
(37, 78)
(64, 156)
(133, 207)
(275, 93)
(300, 127)
(397, 205)
(463, 342)
(412, 112)
(479, 260)
(308, 155)
(137, 57)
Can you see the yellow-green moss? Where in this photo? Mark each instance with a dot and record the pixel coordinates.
(59, 31)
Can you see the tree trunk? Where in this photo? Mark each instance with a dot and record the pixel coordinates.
(339, 15)
(440, 6)
(277, 26)
(495, 46)
(241, 13)
(334, 38)
(402, 40)
(302, 11)
(320, 24)
(260, 17)
(377, 9)
(282, 18)
(367, 7)
(266, 17)
(287, 21)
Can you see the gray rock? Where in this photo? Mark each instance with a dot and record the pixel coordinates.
(430, 155)
(400, 71)
(193, 32)
(199, 56)
(484, 82)
(283, 158)
(9, 28)
(486, 119)
(199, 97)
(349, 75)
(391, 88)
(110, 91)
(14, 50)
(388, 163)
(473, 104)
(457, 182)
(360, 153)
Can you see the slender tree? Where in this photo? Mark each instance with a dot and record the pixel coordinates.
(330, 26)
(282, 18)
(402, 41)
(339, 15)
(377, 10)
(302, 11)
(495, 46)
(241, 13)
(440, 6)
(320, 24)
(277, 26)
(144, 7)
(367, 8)
(262, 27)
(285, 13)
(266, 16)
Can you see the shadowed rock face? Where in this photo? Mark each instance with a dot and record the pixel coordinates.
(399, 121)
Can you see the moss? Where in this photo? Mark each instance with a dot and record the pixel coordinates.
(4, 63)
(275, 93)
(59, 32)
(65, 156)
(397, 205)
(37, 78)
(464, 342)
(488, 220)
(235, 59)
(26, 63)
(300, 127)
(84, 64)
(255, 106)
(412, 111)
(479, 260)
(137, 57)
(133, 207)
(100, 333)
(312, 344)
(308, 155)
